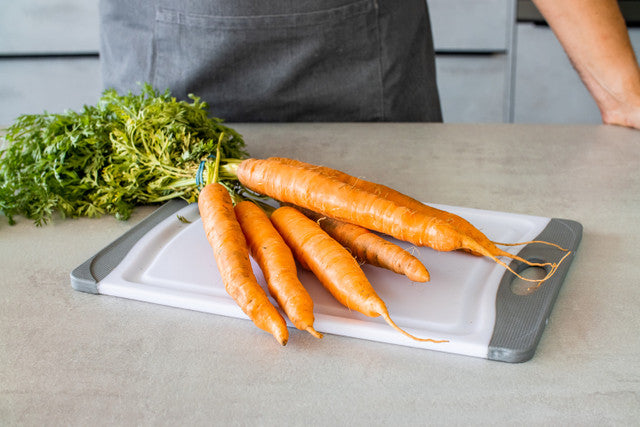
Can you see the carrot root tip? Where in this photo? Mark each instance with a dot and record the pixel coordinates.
(313, 332)
(544, 242)
(554, 267)
(388, 319)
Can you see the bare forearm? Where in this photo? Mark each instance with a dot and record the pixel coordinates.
(594, 35)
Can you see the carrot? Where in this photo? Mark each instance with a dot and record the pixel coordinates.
(332, 264)
(385, 192)
(408, 201)
(319, 191)
(491, 250)
(368, 247)
(278, 265)
(232, 256)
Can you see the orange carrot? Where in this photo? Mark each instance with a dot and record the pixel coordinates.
(332, 264)
(368, 247)
(313, 189)
(232, 256)
(385, 192)
(408, 201)
(278, 265)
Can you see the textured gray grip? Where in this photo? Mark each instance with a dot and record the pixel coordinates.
(86, 276)
(520, 319)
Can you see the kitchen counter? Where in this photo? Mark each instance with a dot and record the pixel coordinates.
(71, 358)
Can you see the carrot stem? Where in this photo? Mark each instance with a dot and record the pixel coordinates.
(213, 175)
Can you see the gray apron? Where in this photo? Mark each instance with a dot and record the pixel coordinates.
(284, 60)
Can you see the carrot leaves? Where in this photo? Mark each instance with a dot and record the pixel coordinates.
(125, 151)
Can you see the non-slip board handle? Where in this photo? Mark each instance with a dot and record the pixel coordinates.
(86, 276)
(521, 318)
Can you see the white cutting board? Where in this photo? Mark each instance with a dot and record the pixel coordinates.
(170, 262)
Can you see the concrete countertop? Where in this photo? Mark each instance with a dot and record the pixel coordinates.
(70, 358)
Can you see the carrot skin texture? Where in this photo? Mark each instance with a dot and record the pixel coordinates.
(472, 236)
(393, 213)
(318, 192)
(401, 199)
(372, 249)
(232, 257)
(333, 265)
(278, 265)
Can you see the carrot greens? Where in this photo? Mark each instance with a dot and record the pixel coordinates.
(126, 150)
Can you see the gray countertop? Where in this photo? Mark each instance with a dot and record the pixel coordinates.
(70, 358)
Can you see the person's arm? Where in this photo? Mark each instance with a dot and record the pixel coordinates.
(594, 36)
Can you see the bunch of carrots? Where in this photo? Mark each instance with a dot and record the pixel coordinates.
(325, 222)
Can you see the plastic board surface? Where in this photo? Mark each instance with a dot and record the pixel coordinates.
(469, 301)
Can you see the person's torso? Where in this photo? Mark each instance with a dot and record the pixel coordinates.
(309, 60)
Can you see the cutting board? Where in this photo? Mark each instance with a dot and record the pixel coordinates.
(477, 305)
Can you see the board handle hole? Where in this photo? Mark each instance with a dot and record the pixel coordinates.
(523, 287)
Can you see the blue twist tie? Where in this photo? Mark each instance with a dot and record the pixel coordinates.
(199, 174)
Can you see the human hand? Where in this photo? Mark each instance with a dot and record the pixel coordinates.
(595, 37)
(621, 110)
